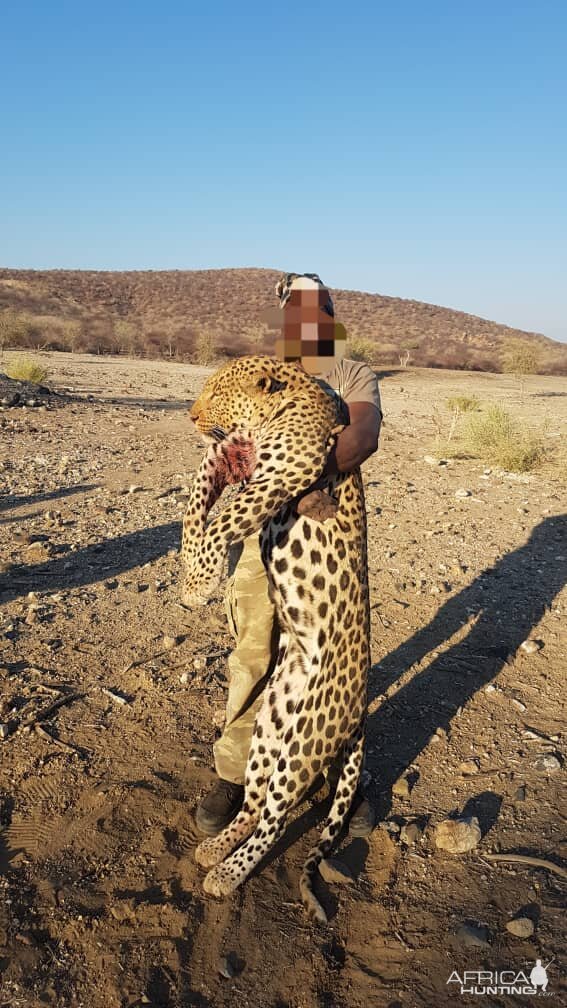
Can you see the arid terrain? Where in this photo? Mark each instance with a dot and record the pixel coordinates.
(193, 314)
(112, 695)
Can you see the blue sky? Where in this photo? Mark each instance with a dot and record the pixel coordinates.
(417, 149)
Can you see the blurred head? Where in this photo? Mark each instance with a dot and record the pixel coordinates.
(308, 333)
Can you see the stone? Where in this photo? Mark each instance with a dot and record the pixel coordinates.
(401, 788)
(547, 763)
(389, 826)
(411, 833)
(229, 966)
(531, 646)
(4, 731)
(469, 767)
(521, 927)
(457, 836)
(461, 493)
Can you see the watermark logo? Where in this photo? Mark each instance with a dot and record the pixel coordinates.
(504, 981)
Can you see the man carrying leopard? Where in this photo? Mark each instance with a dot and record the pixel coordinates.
(306, 310)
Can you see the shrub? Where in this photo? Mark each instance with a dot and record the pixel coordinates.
(205, 351)
(360, 349)
(496, 437)
(463, 404)
(26, 369)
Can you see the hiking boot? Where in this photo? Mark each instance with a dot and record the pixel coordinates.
(219, 807)
(362, 819)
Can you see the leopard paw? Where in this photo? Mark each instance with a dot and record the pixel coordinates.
(219, 882)
(193, 599)
(207, 853)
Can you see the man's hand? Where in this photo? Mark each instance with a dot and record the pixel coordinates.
(317, 505)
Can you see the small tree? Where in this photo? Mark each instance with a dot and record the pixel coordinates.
(205, 351)
(521, 359)
(125, 336)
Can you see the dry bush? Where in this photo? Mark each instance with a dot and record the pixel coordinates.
(498, 438)
(205, 350)
(26, 369)
(360, 349)
(520, 358)
(463, 404)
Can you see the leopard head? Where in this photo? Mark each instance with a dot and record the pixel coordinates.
(243, 393)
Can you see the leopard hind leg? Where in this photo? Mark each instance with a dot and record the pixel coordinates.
(353, 755)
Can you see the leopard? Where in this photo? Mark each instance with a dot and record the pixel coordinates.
(268, 429)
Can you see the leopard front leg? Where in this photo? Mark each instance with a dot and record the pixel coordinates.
(225, 462)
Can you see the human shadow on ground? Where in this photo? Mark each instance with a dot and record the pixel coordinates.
(92, 564)
(505, 602)
(25, 500)
(501, 607)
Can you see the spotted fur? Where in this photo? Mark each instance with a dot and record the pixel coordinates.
(272, 425)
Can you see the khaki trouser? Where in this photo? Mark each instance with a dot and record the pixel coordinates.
(252, 621)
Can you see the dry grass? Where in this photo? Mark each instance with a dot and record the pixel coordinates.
(463, 404)
(497, 437)
(26, 369)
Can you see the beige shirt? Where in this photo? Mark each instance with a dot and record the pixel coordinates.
(355, 382)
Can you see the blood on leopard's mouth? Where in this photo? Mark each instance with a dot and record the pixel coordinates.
(212, 435)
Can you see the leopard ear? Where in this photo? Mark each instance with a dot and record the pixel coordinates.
(268, 385)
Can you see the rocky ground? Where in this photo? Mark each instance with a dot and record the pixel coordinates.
(112, 694)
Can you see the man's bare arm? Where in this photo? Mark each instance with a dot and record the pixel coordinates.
(358, 441)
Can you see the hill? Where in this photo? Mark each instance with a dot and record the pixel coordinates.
(201, 314)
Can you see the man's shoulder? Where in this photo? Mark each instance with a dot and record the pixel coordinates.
(355, 381)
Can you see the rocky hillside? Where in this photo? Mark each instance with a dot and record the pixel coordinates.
(200, 314)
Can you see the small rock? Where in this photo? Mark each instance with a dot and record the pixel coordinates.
(111, 585)
(184, 678)
(401, 788)
(332, 870)
(531, 646)
(134, 488)
(411, 833)
(547, 763)
(170, 642)
(520, 793)
(228, 966)
(474, 936)
(522, 927)
(432, 460)
(457, 836)
(469, 767)
(461, 493)
(4, 731)
(389, 826)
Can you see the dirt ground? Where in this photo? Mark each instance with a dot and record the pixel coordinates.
(102, 904)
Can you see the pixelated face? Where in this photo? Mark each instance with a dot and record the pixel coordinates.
(308, 334)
